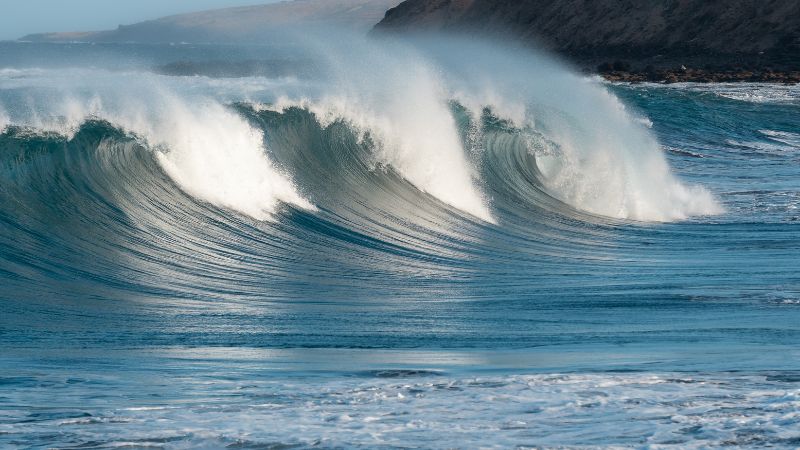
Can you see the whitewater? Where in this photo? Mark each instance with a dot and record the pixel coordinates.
(427, 243)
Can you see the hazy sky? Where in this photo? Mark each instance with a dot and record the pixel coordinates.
(21, 17)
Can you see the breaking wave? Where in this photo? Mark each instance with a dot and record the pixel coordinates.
(420, 149)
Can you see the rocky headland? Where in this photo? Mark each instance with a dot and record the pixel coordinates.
(631, 40)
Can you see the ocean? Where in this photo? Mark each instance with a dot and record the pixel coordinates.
(369, 243)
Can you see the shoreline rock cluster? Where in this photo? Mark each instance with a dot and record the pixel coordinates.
(684, 74)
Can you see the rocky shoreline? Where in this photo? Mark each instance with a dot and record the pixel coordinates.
(667, 41)
(686, 75)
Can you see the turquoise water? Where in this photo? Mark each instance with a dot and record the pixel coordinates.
(429, 246)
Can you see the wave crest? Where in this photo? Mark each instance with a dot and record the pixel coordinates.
(419, 109)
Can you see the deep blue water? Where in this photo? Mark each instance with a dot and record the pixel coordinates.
(375, 249)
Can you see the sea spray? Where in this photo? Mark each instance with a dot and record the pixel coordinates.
(398, 99)
(397, 96)
(208, 150)
(603, 158)
(606, 160)
(4, 119)
(216, 156)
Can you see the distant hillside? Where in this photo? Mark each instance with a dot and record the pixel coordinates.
(238, 24)
(644, 32)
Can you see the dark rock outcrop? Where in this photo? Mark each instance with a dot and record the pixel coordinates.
(710, 36)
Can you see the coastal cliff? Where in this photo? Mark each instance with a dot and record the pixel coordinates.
(637, 40)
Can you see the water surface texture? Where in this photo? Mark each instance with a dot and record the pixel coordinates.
(358, 243)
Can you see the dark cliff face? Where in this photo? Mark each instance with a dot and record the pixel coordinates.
(641, 31)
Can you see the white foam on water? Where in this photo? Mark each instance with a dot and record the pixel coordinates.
(773, 145)
(652, 410)
(745, 92)
(784, 137)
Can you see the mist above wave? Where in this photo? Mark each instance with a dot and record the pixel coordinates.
(591, 152)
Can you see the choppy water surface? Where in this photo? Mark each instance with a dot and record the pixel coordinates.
(376, 244)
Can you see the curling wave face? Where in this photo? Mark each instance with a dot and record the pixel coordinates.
(415, 109)
(418, 159)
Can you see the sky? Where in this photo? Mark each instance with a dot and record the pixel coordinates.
(21, 17)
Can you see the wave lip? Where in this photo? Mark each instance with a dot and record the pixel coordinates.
(217, 157)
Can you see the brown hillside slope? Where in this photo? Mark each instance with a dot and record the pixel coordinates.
(659, 33)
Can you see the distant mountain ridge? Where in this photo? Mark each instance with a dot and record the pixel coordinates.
(658, 32)
(237, 24)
